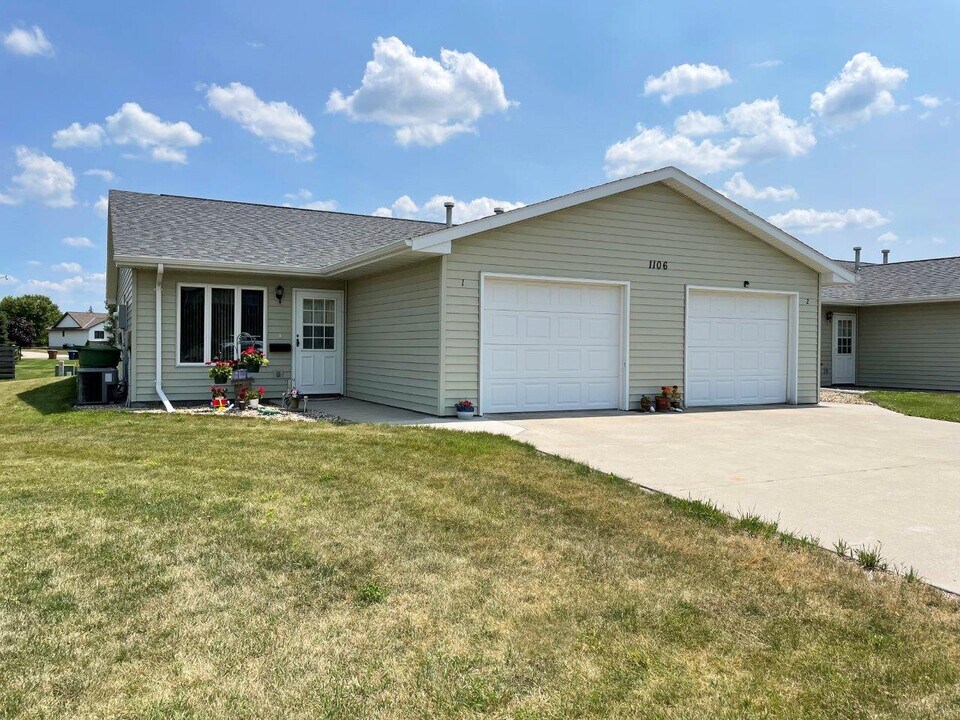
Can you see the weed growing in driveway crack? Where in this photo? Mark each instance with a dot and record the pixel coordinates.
(754, 525)
(842, 548)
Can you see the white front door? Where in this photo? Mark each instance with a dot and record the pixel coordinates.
(550, 345)
(844, 349)
(738, 348)
(318, 341)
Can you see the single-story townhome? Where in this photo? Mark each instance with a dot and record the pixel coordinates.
(898, 326)
(586, 301)
(77, 328)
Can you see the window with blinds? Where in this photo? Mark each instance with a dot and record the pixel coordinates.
(210, 318)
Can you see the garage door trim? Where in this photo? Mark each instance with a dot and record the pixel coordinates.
(624, 400)
(793, 328)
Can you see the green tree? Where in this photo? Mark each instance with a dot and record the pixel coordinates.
(22, 333)
(110, 326)
(38, 310)
(3, 329)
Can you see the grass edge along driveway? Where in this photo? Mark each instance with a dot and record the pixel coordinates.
(182, 566)
(918, 403)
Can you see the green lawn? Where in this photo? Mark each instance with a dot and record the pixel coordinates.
(157, 566)
(37, 369)
(935, 405)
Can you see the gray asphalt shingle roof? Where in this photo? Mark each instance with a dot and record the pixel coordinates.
(186, 228)
(84, 319)
(909, 280)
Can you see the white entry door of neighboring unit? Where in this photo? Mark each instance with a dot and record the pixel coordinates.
(844, 349)
(738, 346)
(550, 345)
(318, 341)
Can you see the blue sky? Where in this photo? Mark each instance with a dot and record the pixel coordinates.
(837, 120)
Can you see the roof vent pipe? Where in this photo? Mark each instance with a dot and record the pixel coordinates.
(498, 211)
(856, 258)
(886, 256)
(449, 206)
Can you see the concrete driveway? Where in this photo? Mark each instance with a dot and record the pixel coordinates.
(856, 472)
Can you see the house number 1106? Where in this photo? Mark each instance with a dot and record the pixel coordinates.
(658, 265)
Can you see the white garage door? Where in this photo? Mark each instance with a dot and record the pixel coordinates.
(550, 346)
(737, 348)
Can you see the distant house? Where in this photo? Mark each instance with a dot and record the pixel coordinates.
(897, 326)
(76, 328)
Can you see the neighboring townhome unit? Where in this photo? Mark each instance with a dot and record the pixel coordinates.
(586, 301)
(898, 326)
(77, 328)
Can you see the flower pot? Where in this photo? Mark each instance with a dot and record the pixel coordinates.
(675, 403)
(254, 403)
(645, 407)
(51, 354)
(661, 403)
(219, 404)
(464, 414)
(293, 403)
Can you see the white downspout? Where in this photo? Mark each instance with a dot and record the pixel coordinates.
(159, 299)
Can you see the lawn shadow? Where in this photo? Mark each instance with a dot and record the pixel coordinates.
(51, 398)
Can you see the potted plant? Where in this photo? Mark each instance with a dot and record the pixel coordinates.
(218, 398)
(645, 403)
(252, 360)
(676, 397)
(220, 371)
(465, 409)
(253, 397)
(662, 401)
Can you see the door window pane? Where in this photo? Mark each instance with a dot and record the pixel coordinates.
(221, 322)
(191, 324)
(319, 324)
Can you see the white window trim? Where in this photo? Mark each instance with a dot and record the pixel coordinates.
(793, 327)
(207, 316)
(625, 294)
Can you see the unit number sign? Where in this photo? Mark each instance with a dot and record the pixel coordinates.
(657, 265)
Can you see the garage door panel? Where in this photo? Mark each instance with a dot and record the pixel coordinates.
(550, 346)
(737, 348)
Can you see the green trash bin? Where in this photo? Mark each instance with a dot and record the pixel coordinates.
(99, 355)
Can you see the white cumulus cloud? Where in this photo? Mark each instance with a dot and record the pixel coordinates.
(759, 131)
(686, 79)
(426, 101)
(105, 175)
(888, 237)
(303, 198)
(433, 209)
(772, 63)
(739, 186)
(68, 267)
(816, 221)
(77, 241)
(32, 41)
(929, 101)
(862, 90)
(77, 135)
(42, 179)
(697, 124)
(277, 123)
(101, 206)
(166, 141)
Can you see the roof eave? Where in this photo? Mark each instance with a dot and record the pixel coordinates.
(893, 301)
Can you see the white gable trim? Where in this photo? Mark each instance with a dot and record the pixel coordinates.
(438, 242)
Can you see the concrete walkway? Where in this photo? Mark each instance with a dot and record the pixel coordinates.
(856, 472)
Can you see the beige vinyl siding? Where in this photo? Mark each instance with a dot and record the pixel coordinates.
(614, 239)
(192, 382)
(126, 295)
(909, 346)
(393, 337)
(826, 340)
